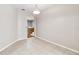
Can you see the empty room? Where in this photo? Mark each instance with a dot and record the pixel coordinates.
(39, 29)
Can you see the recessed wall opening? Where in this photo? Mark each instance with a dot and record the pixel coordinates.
(30, 28)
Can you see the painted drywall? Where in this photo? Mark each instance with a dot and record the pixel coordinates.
(22, 24)
(60, 24)
(8, 24)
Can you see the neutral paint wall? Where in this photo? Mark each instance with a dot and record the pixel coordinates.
(60, 24)
(22, 24)
(8, 24)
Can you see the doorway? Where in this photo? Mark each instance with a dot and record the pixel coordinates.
(30, 28)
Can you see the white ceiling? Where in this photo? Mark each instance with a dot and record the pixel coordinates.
(31, 7)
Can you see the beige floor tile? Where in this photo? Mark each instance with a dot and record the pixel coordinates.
(35, 46)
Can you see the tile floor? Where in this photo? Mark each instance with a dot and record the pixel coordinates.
(34, 46)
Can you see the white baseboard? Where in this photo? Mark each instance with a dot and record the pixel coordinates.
(75, 51)
(9, 44)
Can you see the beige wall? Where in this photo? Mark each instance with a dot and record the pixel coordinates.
(60, 24)
(22, 24)
(8, 24)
